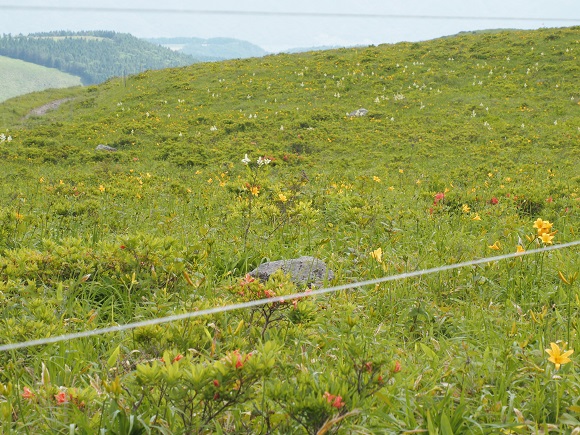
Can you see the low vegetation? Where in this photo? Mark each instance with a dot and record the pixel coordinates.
(469, 149)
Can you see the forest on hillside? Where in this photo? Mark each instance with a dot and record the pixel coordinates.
(94, 56)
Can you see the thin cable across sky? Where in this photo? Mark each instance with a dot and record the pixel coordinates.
(180, 11)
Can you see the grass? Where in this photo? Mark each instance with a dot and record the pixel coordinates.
(468, 141)
(20, 78)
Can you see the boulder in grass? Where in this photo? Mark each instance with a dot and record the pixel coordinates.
(307, 271)
(102, 147)
(358, 112)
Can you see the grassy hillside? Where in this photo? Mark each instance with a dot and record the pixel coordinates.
(19, 77)
(469, 149)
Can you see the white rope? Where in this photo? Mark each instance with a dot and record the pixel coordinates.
(182, 11)
(250, 304)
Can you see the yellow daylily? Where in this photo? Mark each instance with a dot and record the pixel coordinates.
(557, 357)
(546, 238)
(377, 254)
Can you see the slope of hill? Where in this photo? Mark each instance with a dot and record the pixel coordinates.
(213, 49)
(19, 77)
(95, 56)
(469, 150)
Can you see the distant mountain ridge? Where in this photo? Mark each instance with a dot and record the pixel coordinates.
(212, 49)
(94, 56)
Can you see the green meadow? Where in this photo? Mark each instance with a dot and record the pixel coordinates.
(20, 77)
(470, 149)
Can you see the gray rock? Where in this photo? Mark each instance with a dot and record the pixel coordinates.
(303, 271)
(358, 112)
(102, 147)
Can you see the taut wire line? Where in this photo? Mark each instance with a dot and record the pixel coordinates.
(92, 9)
(250, 304)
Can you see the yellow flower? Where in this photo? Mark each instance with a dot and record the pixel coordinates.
(465, 208)
(495, 246)
(557, 357)
(538, 223)
(542, 226)
(102, 188)
(282, 197)
(546, 238)
(476, 217)
(377, 179)
(254, 190)
(377, 254)
(520, 248)
(391, 188)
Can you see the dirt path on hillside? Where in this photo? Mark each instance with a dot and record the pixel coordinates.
(39, 111)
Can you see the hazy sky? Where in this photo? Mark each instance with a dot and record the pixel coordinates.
(275, 33)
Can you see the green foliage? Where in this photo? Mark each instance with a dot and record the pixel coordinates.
(93, 56)
(446, 167)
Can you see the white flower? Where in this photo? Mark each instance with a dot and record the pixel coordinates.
(9, 138)
(263, 161)
(2, 137)
(281, 127)
(246, 160)
(213, 128)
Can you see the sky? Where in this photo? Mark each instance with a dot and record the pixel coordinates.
(375, 21)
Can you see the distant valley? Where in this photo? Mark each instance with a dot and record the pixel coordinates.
(213, 49)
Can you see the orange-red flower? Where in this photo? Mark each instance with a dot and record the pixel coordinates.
(61, 398)
(335, 401)
(27, 393)
(438, 197)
